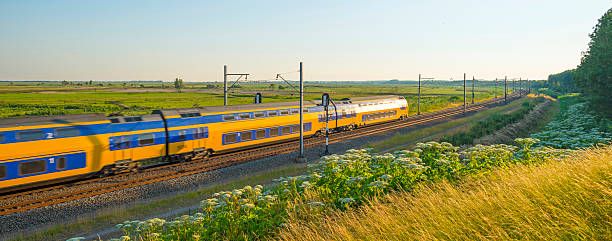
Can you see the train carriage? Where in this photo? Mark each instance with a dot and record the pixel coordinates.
(37, 150)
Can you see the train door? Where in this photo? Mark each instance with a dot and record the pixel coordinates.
(125, 149)
(201, 135)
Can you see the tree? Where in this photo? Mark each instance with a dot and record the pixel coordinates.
(562, 82)
(594, 74)
(178, 84)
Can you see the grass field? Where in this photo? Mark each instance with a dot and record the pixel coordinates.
(567, 200)
(54, 98)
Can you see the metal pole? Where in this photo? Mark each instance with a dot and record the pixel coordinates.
(301, 114)
(506, 90)
(528, 86)
(520, 87)
(224, 84)
(419, 101)
(464, 102)
(326, 130)
(473, 80)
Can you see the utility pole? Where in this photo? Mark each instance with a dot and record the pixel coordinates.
(520, 87)
(224, 84)
(473, 80)
(506, 90)
(495, 88)
(528, 86)
(301, 157)
(225, 88)
(464, 103)
(419, 99)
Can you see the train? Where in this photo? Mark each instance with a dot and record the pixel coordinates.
(38, 151)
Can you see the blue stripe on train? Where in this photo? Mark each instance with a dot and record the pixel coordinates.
(73, 161)
(132, 141)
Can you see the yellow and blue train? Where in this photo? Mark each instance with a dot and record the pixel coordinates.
(43, 150)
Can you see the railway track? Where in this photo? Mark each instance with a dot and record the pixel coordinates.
(175, 170)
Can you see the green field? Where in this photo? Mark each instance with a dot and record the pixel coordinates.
(57, 98)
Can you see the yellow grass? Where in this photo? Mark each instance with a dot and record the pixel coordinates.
(566, 200)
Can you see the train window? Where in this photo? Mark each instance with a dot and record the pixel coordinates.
(285, 130)
(295, 111)
(30, 135)
(305, 110)
(260, 134)
(229, 117)
(203, 133)
(272, 113)
(114, 120)
(245, 116)
(146, 139)
(246, 136)
(230, 138)
(344, 115)
(137, 118)
(284, 112)
(273, 132)
(31, 167)
(187, 115)
(2, 171)
(260, 114)
(377, 116)
(64, 132)
(2, 138)
(128, 119)
(61, 163)
(125, 142)
(295, 128)
(183, 134)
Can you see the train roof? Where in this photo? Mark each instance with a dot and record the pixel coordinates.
(50, 120)
(89, 117)
(245, 107)
(72, 118)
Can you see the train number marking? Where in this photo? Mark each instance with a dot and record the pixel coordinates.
(49, 135)
(51, 160)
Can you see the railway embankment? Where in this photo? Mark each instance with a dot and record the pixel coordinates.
(537, 117)
(563, 199)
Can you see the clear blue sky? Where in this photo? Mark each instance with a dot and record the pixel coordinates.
(336, 40)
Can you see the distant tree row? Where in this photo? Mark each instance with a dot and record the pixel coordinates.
(594, 74)
(562, 82)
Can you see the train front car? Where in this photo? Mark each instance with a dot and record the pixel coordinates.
(42, 150)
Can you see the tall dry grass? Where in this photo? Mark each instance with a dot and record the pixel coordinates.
(557, 200)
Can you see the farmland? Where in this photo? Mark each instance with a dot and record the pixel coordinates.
(53, 98)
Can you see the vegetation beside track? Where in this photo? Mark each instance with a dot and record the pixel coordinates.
(339, 182)
(108, 219)
(491, 124)
(555, 200)
(446, 128)
(576, 126)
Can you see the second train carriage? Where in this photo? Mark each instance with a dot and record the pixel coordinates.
(36, 150)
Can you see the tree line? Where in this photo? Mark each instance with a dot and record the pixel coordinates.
(593, 76)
